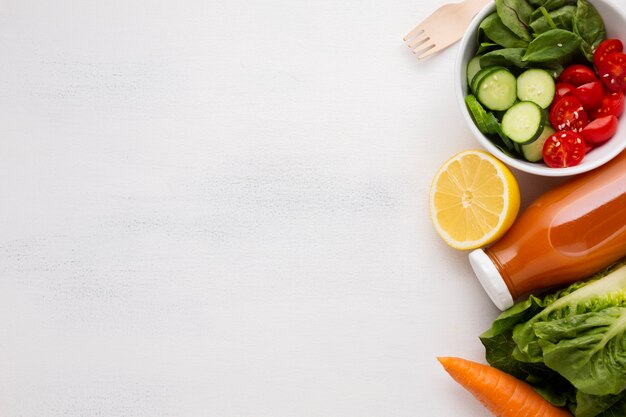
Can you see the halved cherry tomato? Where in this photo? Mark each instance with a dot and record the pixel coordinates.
(612, 104)
(568, 113)
(562, 89)
(577, 75)
(612, 71)
(590, 94)
(564, 149)
(600, 130)
(606, 48)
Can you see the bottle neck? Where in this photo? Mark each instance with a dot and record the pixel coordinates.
(503, 273)
(491, 279)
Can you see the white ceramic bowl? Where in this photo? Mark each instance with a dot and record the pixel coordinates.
(615, 22)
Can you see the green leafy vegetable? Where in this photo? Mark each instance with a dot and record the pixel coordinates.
(617, 410)
(582, 336)
(493, 28)
(588, 24)
(558, 19)
(504, 57)
(515, 15)
(591, 405)
(485, 47)
(535, 3)
(554, 68)
(486, 122)
(552, 45)
(570, 345)
(549, 6)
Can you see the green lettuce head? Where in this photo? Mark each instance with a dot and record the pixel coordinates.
(570, 345)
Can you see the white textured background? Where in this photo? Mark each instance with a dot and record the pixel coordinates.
(220, 209)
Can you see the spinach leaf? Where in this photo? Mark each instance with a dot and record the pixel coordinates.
(561, 17)
(504, 57)
(479, 115)
(554, 68)
(515, 15)
(493, 28)
(550, 5)
(485, 47)
(487, 123)
(497, 128)
(588, 24)
(552, 45)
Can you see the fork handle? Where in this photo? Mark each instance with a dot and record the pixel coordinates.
(478, 4)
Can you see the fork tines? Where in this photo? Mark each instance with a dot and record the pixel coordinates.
(419, 42)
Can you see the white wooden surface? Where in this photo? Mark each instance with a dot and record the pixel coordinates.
(220, 209)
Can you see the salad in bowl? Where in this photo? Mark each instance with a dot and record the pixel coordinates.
(541, 83)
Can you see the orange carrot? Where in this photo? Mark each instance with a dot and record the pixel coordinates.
(501, 393)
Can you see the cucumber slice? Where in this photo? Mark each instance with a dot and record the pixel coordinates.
(473, 66)
(533, 152)
(536, 85)
(523, 123)
(480, 75)
(497, 90)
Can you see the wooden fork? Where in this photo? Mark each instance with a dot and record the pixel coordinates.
(442, 28)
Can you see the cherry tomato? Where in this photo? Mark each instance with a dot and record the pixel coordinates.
(612, 71)
(590, 94)
(600, 130)
(564, 149)
(562, 89)
(612, 104)
(606, 48)
(568, 113)
(577, 75)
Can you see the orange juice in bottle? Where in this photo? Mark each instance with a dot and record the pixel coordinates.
(567, 234)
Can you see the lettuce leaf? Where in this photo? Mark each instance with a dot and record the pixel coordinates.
(570, 344)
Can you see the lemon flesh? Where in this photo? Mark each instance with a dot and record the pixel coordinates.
(474, 199)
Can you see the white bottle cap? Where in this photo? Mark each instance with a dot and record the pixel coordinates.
(490, 279)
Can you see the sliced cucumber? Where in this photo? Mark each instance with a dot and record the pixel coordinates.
(473, 66)
(497, 90)
(533, 152)
(480, 75)
(536, 85)
(523, 123)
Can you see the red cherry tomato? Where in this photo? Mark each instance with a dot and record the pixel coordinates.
(590, 94)
(606, 48)
(600, 130)
(562, 89)
(577, 75)
(564, 149)
(568, 113)
(612, 71)
(612, 104)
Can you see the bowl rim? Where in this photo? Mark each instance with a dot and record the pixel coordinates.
(525, 166)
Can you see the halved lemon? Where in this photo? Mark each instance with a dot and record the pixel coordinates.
(474, 199)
